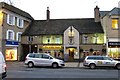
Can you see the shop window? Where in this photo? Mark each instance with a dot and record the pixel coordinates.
(11, 54)
(10, 35)
(114, 23)
(20, 23)
(10, 19)
(18, 36)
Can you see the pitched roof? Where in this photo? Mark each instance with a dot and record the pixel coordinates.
(115, 11)
(15, 10)
(58, 26)
(103, 13)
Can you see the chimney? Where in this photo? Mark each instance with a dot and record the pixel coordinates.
(119, 4)
(48, 14)
(96, 14)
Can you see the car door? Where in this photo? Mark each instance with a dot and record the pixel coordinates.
(108, 61)
(99, 61)
(46, 61)
(37, 59)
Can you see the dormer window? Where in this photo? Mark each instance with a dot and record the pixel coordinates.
(114, 23)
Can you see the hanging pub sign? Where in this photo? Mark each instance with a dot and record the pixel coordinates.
(113, 44)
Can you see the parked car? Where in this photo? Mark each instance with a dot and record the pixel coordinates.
(42, 59)
(2, 67)
(101, 61)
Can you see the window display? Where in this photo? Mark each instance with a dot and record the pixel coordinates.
(11, 54)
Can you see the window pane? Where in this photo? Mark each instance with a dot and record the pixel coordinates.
(20, 23)
(11, 20)
(45, 56)
(57, 40)
(114, 24)
(10, 35)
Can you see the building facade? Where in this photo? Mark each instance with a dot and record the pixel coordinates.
(110, 21)
(68, 39)
(13, 23)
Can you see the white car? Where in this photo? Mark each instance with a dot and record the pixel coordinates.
(101, 61)
(42, 59)
(2, 67)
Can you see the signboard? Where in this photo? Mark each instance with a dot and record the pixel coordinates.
(113, 44)
(12, 43)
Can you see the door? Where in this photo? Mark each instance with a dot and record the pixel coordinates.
(108, 61)
(37, 59)
(45, 60)
(71, 54)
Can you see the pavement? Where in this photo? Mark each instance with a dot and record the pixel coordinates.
(67, 64)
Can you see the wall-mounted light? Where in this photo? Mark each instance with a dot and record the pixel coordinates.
(71, 32)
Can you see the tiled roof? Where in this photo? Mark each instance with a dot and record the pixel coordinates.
(58, 26)
(115, 11)
(103, 13)
(15, 10)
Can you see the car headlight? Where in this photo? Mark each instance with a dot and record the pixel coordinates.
(61, 61)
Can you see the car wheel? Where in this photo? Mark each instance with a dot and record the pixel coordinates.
(30, 64)
(55, 65)
(118, 66)
(92, 66)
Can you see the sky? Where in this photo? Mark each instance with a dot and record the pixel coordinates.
(62, 9)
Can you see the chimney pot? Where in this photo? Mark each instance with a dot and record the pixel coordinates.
(48, 14)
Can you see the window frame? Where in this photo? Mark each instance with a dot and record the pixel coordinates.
(85, 39)
(114, 24)
(57, 40)
(10, 19)
(7, 34)
(17, 36)
(20, 22)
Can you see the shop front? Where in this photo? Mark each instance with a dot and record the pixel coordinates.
(11, 51)
(114, 50)
(54, 50)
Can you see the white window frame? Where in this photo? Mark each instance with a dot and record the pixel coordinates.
(85, 39)
(7, 35)
(20, 22)
(57, 40)
(10, 19)
(17, 36)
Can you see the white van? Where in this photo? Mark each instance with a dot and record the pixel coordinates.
(2, 67)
